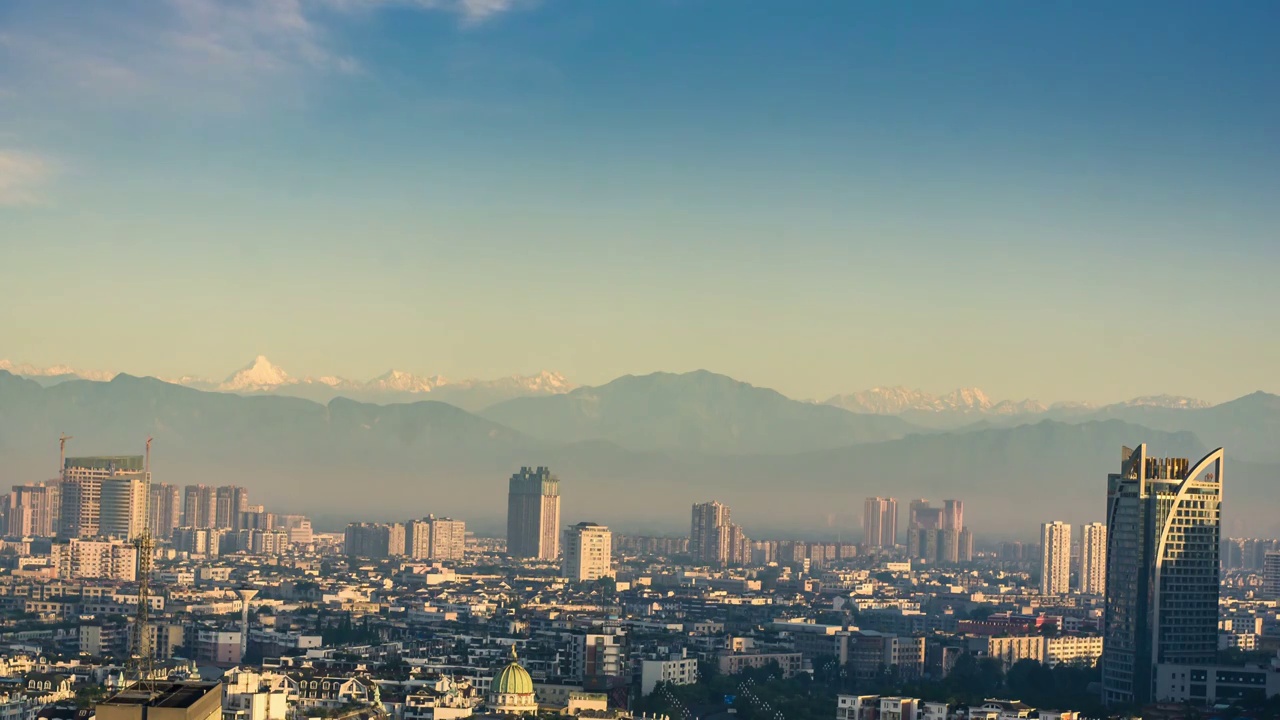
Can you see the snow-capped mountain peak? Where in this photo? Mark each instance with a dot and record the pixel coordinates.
(1177, 402)
(970, 398)
(546, 381)
(54, 371)
(259, 375)
(401, 381)
(896, 400)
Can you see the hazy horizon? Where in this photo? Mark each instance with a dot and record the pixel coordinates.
(1052, 201)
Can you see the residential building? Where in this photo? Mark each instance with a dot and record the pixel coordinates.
(1009, 649)
(1072, 650)
(1055, 558)
(165, 509)
(81, 494)
(1093, 559)
(1271, 576)
(229, 502)
(533, 514)
(588, 552)
(599, 655)
(732, 663)
(449, 537)
(374, 540)
(204, 542)
(1164, 540)
(713, 539)
(880, 522)
(33, 510)
(103, 559)
(199, 507)
(675, 669)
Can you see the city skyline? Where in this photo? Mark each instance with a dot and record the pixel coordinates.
(483, 189)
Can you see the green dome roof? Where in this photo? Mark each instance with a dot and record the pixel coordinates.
(513, 679)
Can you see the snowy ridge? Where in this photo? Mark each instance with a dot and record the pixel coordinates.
(897, 400)
(29, 370)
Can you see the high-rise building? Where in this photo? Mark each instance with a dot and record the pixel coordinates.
(588, 552)
(433, 538)
(448, 538)
(1055, 558)
(229, 502)
(374, 540)
(1093, 559)
(1271, 576)
(915, 510)
(199, 507)
(417, 539)
(1163, 546)
(123, 513)
(966, 546)
(713, 539)
(82, 494)
(952, 515)
(704, 530)
(533, 514)
(166, 510)
(32, 510)
(880, 522)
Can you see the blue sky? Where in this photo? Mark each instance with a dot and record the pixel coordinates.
(1047, 200)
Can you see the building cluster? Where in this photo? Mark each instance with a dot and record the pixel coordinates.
(430, 538)
(419, 621)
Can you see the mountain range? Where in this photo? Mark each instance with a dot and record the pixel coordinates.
(261, 376)
(633, 452)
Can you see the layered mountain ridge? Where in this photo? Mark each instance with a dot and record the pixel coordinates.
(634, 452)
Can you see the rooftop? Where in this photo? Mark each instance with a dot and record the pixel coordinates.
(166, 694)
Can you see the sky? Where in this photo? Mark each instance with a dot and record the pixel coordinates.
(1060, 201)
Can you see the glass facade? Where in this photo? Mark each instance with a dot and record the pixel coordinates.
(1163, 537)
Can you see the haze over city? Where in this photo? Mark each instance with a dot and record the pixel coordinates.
(639, 360)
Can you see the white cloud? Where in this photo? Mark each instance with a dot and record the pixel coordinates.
(208, 54)
(22, 177)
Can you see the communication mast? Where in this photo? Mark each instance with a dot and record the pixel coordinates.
(143, 654)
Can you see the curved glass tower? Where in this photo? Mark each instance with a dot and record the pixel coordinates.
(1163, 532)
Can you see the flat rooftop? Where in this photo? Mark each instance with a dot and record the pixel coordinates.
(163, 694)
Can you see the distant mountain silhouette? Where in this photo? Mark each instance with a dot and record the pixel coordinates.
(633, 453)
(699, 412)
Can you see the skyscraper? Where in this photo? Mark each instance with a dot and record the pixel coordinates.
(165, 509)
(1055, 558)
(124, 507)
(924, 522)
(880, 522)
(433, 538)
(1163, 545)
(713, 539)
(952, 515)
(588, 552)
(533, 514)
(199, 508)
(1093, 559)
(82, 488)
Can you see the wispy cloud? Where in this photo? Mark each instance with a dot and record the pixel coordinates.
(218, 52)
(23, 177)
